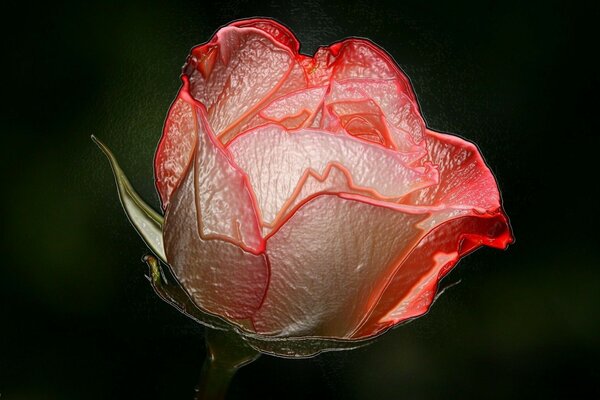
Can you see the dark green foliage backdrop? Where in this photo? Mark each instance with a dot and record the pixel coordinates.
(78, 318)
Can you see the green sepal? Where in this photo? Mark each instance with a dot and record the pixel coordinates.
(147, 222)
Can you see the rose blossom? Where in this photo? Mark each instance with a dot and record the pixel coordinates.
(304, 196)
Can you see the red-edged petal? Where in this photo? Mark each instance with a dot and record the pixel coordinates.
(355, 59)
(175, 148)
(279, 32)
(465, 214)
(278, 162)
(243, 66)
(220, 276)
(224, 199)
(326, 262)
(395, 106)
(297, 109)
(465, 180)
(412, 290)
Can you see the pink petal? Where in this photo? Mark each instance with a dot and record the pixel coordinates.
(277, 163)
(248, 63)
(326, 262)
(465, 180)
(465, 214)
(175, 148)
(355, 59)
(221, 277)
(279, 32)
(223, 197)
(396, 107)
(303, 103)
(412, 290)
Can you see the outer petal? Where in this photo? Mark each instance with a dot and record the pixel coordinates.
(327, 260)
(176, 147)
(243, 66)
(355, 59)
(465, 180)
(220, 276)
(279, 32)
(223, 196)
(414, 286)
(466, 214)
(278, 162)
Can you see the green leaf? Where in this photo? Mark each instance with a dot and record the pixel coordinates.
(147, 222)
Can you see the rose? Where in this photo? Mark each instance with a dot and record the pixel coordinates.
(307, 206)
(305, 197)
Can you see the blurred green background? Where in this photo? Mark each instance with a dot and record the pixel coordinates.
(78, 318)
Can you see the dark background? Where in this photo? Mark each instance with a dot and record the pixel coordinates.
(80, 321)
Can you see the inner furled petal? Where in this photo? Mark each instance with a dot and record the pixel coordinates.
(413, 288)
(326, 262)
(278, 162)
(220, 277)
(240, 69)
(175, 149)
(465, 180)
(398, 109)
(362, 119)
(223, 196)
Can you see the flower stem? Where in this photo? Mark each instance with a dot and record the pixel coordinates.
(226, 353)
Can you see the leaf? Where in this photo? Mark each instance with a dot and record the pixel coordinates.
(147, 222)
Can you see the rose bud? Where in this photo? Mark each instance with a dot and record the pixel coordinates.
(307, 205)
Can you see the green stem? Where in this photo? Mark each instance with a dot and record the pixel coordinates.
(226, 353)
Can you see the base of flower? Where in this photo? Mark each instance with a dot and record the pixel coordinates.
(226, 353)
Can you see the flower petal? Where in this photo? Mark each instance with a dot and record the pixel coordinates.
(279, 32)
(304, 102)
(241, 68)
(220, 276)
(278, 162)
(175, 148)
(412, 290)
(326, 262)
(355, 59)
(223, 196)
(465, 214)
(465, 181)
(396, 107)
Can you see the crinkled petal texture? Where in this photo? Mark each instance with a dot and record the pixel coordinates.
(305, 196)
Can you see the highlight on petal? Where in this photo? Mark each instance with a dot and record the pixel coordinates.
(278, 162)
(327, 260)
(221, 277)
